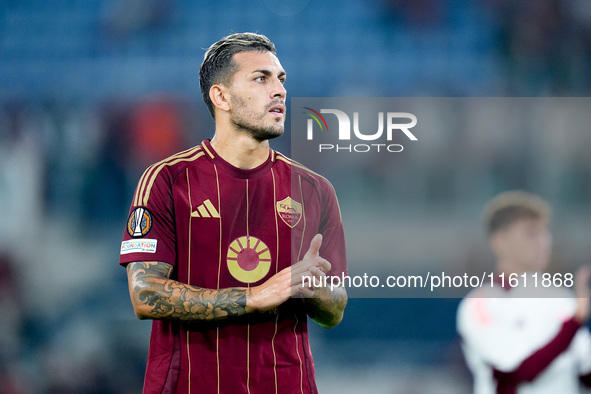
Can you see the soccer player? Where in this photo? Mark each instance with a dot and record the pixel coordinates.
(220, 236)
(515, 344)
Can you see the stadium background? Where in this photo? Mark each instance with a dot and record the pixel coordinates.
(93, 92)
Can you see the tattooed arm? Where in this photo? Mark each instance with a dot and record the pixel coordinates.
(155, 296)
(326, 307)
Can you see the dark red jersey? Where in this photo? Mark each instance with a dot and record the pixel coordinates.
(221, 226)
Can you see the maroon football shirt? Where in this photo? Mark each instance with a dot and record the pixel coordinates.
(221, 226)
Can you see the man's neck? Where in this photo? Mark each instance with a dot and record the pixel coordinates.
(508, 268)
(240, 149)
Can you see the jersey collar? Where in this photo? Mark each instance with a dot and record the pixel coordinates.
(236, 172)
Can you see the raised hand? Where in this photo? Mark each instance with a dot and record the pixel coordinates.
(583, 293)
(310, 273)
(289, 281)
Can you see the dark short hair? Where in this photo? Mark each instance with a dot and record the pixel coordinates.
(218, 65)
(508, 207)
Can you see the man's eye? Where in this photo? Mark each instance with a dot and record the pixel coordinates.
(259, 79)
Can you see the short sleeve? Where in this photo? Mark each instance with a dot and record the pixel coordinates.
(333, 246)
(149, 231)
(503, 332)
(489, 335)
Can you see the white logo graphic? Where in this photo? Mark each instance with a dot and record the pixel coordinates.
(139, 222)
(395, 122)
(139, 246)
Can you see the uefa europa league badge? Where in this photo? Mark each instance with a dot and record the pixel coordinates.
(139, 222)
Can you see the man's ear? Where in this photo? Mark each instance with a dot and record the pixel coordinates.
(218, 94)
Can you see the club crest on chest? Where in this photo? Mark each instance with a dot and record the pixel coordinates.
(290, 211)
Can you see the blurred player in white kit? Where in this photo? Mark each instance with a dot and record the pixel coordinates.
(519, 345)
